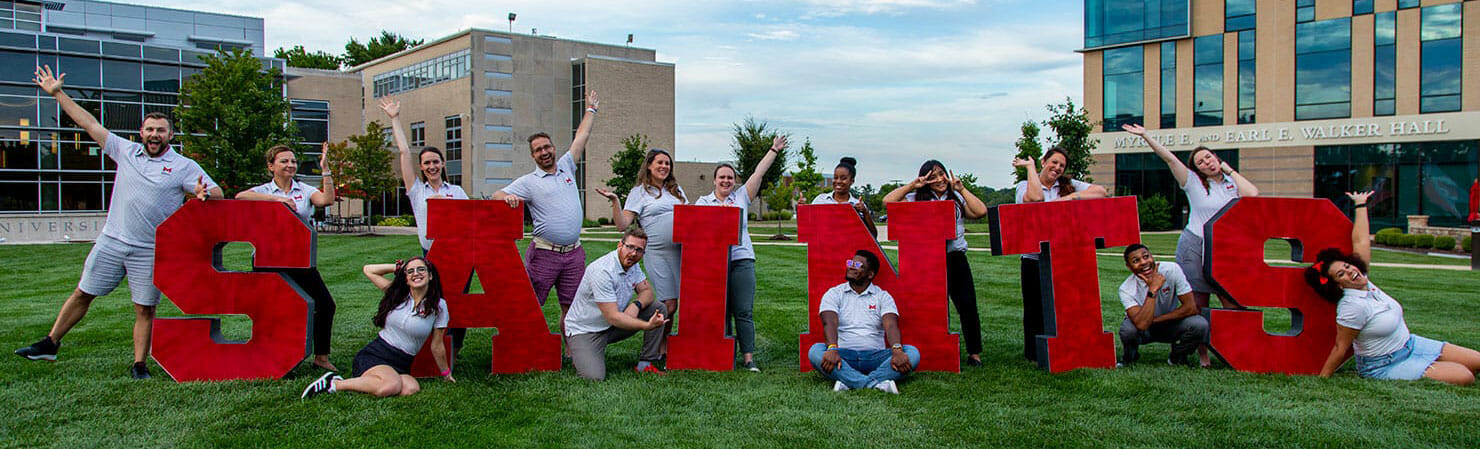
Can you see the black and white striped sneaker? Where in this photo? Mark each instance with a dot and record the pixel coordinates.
(324, 384)
(45, 349)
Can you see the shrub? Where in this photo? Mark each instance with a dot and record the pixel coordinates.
(1469, 244)
(409, 219)
(1155, 213)
(783, 215)
(1423, 241)
(393, 221)
(603, 221)
(588, 223)
(1405, 240)
(1390, 231)
(1385, 236)
(1444, 242)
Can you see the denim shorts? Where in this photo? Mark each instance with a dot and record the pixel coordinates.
(1407, 363)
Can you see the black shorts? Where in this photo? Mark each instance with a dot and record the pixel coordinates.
(379, 352)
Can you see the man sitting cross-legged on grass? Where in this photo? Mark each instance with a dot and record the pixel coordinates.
(604, 310)
(1163, 321)
(861, 324)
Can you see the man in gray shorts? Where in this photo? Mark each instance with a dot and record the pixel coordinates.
(150, 184)
(606, 312)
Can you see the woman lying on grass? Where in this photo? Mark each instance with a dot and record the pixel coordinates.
(411, 310)
(1368, 317)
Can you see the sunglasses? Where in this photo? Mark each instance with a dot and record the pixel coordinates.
(855, 264)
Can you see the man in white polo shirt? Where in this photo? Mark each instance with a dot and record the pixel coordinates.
(555, 257)
(861, 324)
(150, 184)
(1163, 320)
(606, 312)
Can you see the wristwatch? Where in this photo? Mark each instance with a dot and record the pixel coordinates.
(897, 346)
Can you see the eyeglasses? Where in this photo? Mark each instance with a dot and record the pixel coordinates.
(419, 270)
(636, 248)
(855, 264)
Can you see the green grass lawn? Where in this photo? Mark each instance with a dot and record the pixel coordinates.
(86, 400)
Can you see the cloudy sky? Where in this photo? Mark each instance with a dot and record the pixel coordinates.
(890, 82)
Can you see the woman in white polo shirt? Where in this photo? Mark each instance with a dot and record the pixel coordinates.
(411, 312)
(301, 199)
(740, 294)
(1370, 323)
(1214, 186)
(842, 193)
(650, 205)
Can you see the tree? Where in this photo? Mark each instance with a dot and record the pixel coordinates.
(752, 141)
(876, 202)
(386, 44)
(627, 163)
(230, 114)
(1071, 128)
(298, 57)
(806, 179)
(1028, 148)
(362, 166)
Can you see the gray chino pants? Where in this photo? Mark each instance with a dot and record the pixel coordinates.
(588, 351)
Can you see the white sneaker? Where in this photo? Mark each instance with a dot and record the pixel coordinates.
(887, 386)
(324, 384)
(839, 386)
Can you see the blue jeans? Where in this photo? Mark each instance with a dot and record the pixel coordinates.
(862, 368)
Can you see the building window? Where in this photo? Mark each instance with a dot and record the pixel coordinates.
(1246, 77)
(1168, 85)
(1442, 52)
(418, 134)
(1305, 11)
(1145, 175)
(454, 147)
(312, 119)
(443, 68)
(578, 111)
(1124, 87)
(1113, 22)
(1323, 69)
(1405, 4)
(1238, 15)
(1360, 7)
(1385, 63)
(1406, 178)
(1207, 80)
(20, 16)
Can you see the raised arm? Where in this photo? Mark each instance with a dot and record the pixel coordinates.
(1245, 188)
(975, 208)
(392, 108)
(325, 196)
(753, 185)
(621, 218)
(1034, 192)
(1361, 238)
(1179, 171)
(53, 86)
(898, 194)
(583, 132)
(376, 274)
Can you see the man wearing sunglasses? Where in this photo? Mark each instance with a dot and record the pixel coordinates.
(1152, 314)
(861, 323)
(613, 302)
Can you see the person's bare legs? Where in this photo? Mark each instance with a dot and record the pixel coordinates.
(379, 380)
(409, 385)
(1450, 372)
(72, 312)
(1202, 350)
(143, 330)
(1467, 357)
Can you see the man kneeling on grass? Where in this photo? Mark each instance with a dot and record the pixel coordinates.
(602, 313)
(861, 324)
(1163, 321)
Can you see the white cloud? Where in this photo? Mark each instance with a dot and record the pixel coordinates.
(775, 35)
(826, 8)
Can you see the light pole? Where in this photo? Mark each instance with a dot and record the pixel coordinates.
(511, 22)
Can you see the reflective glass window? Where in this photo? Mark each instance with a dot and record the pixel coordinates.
(1323, 69)
(1111, 22)
(1207, 80)
(1238, 15)
(1440, 61)
(1246, 77)
(1405, 4)
(1385, 64)
(81, 71)
(1124, 87)
(161, 78)
(1360, 7)
(1168, 85)
(16, 62)
(122, 75)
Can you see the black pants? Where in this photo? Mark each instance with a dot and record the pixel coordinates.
(309, 280)
(458, 333)
(962, 289)
(1032, 308)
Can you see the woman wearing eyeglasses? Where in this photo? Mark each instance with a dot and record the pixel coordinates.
(650, 205)
(1370, 323)
(740, 297)
(411, 311)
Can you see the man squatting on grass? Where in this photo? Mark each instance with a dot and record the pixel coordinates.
(603, 314)
(859, 319)
(555, 257)
(150, 185)
(1163, 321)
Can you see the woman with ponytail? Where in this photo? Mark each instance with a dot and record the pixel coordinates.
(842, 193)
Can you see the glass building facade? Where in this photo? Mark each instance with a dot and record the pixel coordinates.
(1115, 22)
(1145, 175)
(1427, 178)
(1124, 87)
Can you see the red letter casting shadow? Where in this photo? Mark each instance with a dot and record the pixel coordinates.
(479, 236)
(187, 269)
(1066, 234)
(833, 232)
(706, 233)
(1235, 249)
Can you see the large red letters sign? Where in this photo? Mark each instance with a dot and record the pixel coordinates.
(833, 232)
(187, 269)
(1065, 234)
(706, 233)
(1234, 247)
(478, 236)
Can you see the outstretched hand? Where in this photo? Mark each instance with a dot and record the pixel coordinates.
(46, 81)
(591, 100)
(778, 144)
(391, 107)
(608, 194)
(1024, 163)
(1134, 129)
(1359, 197)
(955, 182)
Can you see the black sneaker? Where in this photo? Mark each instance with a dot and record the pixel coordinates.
(752, 367)
(139, 371)
(973, 362)
(46, 349)
(324, 384)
